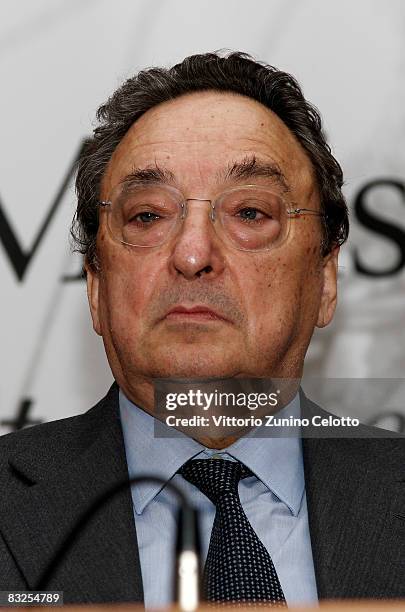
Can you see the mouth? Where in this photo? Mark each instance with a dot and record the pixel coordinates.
(193, 313)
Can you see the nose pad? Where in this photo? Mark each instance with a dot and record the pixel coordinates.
(185, 210)
(184, 207)
(195, 233)
(196, 246)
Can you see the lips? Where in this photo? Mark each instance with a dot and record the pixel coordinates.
(196, 312)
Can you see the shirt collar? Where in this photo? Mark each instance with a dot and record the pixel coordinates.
(276, 461)
(147, 454)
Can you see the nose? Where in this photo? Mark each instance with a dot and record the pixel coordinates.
(197, 251)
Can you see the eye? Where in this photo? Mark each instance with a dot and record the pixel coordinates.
(251, 214)
(146, 217)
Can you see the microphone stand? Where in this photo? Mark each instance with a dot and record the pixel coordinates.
(188, 567)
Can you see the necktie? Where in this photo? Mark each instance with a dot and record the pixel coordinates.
(238, 567)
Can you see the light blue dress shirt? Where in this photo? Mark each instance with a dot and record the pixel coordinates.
(274, 501)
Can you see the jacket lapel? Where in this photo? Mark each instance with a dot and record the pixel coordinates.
(356, 495)
(101, 563)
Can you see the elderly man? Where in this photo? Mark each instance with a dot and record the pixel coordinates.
(210, 215)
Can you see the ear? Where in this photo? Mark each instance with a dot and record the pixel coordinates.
(329, 288)
(93, 281)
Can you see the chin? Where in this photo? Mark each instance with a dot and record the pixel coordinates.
(195, 371)
(165, 359)
(193, 366)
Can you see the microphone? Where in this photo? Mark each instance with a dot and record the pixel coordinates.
(188, 570)
(188, 564)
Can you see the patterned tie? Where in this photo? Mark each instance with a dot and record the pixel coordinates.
(238, 568)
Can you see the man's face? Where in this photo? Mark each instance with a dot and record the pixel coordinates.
(266, 303)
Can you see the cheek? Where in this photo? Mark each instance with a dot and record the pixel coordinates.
(283, 291)
(127, 287)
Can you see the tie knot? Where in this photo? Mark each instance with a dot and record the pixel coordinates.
(214, 477)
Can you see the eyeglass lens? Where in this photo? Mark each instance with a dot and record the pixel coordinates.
(252, 218)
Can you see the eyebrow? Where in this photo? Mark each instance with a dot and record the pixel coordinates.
(246, 169)
(144, 176)
(250, 167)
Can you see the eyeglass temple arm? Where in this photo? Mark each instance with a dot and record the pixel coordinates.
(298, 211)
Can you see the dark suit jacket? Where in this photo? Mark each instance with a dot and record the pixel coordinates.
(50, 473)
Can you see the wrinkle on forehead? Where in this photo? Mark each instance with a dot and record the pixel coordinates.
(198, 133)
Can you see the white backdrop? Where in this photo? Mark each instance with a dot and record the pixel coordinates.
(59, 59)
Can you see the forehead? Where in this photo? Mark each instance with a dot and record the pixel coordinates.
(200, 134)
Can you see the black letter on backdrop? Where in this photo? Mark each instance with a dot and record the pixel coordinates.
(379, 226)
(20, 259)
(21, 420)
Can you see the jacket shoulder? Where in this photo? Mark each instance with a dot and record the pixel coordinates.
(359, 432)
